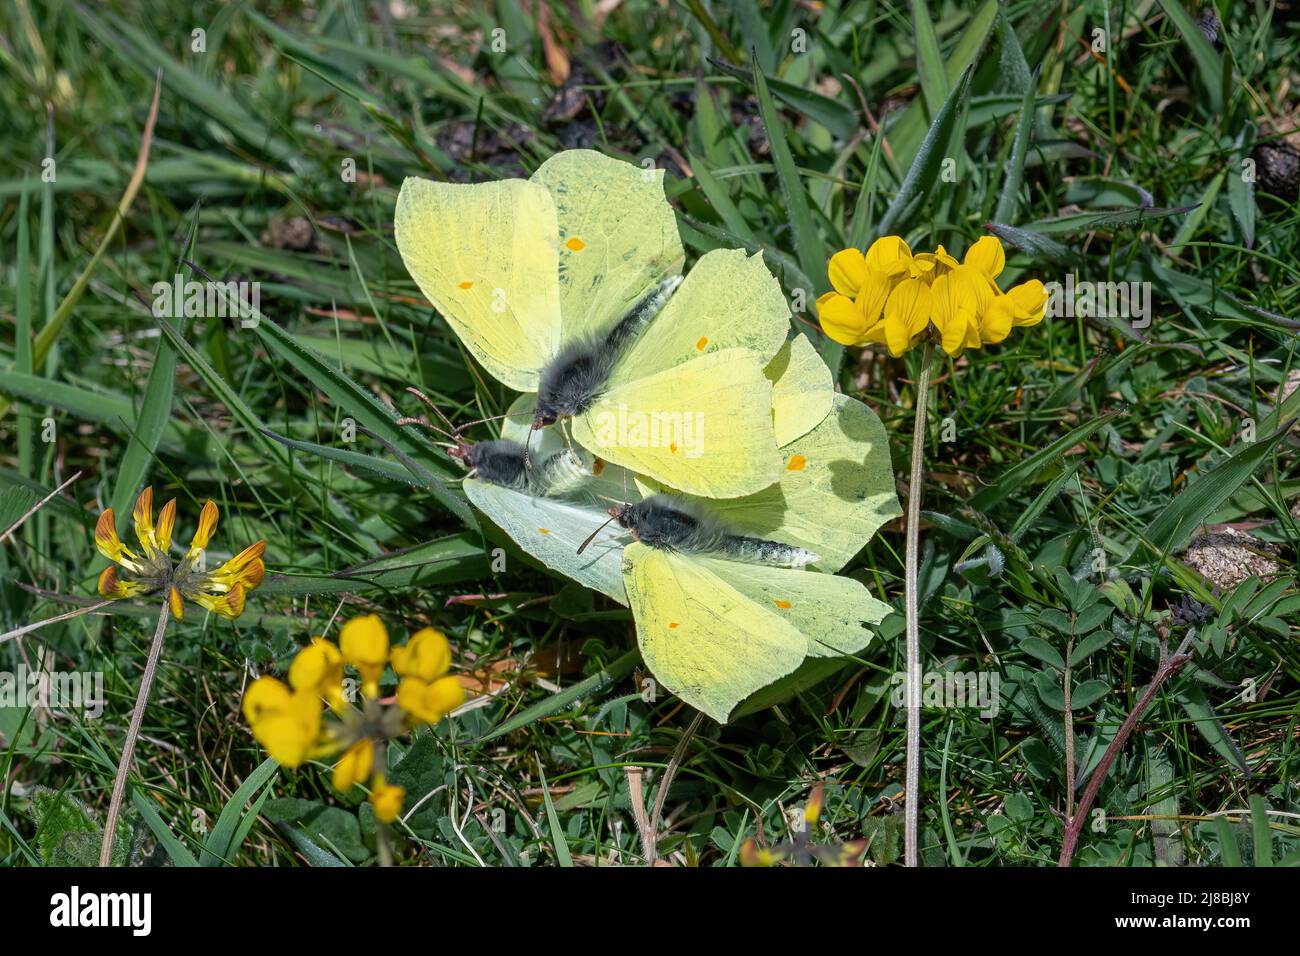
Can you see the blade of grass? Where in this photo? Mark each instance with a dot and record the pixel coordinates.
(51, 331)
(929, 61)
(807, 238)
(1008, 199)
(924, 171)
(220, 844)
(558, 841)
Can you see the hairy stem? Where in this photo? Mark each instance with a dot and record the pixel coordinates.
(1066, 680)
(1074, 824)
(132, 733)
(911, 856)
(679, 754)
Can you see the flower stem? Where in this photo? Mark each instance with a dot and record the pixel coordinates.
(1075, 822)
(912, 701)
(132, 732)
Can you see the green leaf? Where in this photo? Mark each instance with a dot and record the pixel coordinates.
(1193, 701)
(929, 62)
(924, 172)
(320, 825)
(561, 845)
(176, 850)
(1228, 848)
(150, 423)
(1090, 221)
(1178, 520)
(69, 834)
(1045, 652)
(1088, 693)
(1090, 645)
(1009, 198)
(1263, 836)
(1035, 243)
(807, 237)
(221, 846)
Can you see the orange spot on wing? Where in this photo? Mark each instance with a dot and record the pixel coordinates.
(544, 530)
(466, 285)
(796, 463)
(673, 447)
(576, 244)
(704, 340)
(598, 466)
(783, 605)
(672, 625)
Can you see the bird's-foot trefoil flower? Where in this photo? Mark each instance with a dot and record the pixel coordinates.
(289, 719)
(889, 296)
(150, 570)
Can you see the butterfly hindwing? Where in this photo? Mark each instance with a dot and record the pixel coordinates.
(835, 614)
(704, 426)
(702, 639)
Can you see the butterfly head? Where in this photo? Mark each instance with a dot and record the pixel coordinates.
(463, 452)
(543, 416)
(622, 513)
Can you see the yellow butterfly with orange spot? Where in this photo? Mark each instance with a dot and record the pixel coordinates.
(568, 285)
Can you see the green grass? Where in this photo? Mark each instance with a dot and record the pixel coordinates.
(1076, 439)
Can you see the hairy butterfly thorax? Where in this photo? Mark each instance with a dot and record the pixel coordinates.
(503, 462)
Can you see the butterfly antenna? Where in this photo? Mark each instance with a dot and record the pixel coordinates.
(528, 461)
(434, 428)
(592, 537)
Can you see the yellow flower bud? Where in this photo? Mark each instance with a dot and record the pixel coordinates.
(428, 702)
(364, 644)
(427, 655)
(386, 800)
(355, 765)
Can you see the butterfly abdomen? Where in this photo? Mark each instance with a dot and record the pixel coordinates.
(671, 525)
(575, 378)
(559, 474)
(761, 551)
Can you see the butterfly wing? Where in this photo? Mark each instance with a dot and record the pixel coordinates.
(617, 237)
(704, 427)
(701, 638)
(835, 489)
(728, 300)
(836, 615)
(552, 530)
(802, 390)
(487, 257)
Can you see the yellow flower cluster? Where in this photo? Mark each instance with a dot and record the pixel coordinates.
(289, 719)
(894, 298)
(222, 591)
